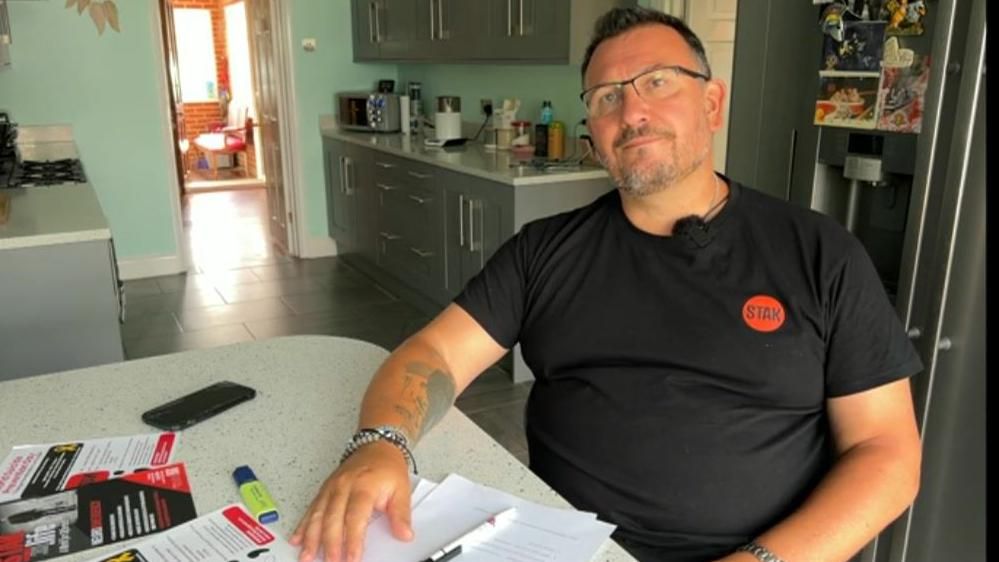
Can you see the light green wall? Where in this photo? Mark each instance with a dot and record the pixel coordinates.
(318, 76)
(531, 84)
(107, 88)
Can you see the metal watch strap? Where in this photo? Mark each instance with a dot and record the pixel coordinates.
(368, 435)
(760, 552)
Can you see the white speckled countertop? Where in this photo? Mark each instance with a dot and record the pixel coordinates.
(470, 159)
(57, 214)
(308, 392)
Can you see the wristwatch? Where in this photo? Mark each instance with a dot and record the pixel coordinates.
(760, 552)
(392, 434)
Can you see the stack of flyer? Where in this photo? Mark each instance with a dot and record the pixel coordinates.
(62, 498)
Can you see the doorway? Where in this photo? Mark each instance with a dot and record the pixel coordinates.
(220, 58)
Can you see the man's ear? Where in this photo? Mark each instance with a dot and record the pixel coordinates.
(715, 96)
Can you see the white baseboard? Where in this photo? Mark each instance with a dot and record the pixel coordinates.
(318, 247)
(140, 268)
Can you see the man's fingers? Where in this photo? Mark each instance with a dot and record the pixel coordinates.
(399, 514)
(296, 537)
(358, 513)
(332, 525)
(308, 529)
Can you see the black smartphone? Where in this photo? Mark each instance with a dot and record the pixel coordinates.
(198, 406)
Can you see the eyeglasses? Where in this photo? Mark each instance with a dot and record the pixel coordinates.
(655, 84)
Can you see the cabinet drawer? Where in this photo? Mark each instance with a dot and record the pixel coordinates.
(418, 266)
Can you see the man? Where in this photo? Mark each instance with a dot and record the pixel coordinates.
(719, 373)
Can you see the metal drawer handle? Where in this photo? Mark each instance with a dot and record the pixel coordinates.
(420, 176)
(385, 165)
(387, 236)
(461, 221)
(386, 187)
(419, 200)
(421, 253)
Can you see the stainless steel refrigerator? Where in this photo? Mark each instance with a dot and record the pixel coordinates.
(921, 218)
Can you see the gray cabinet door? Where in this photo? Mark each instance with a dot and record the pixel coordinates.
(340, 179)
(477, 220)
(534, 30)
(459, 30)
(364, 202)
(365, 29)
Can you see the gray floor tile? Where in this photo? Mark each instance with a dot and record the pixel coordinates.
(139, 326)
(266, 289)
(142, 288)
(321, 267)
(341, 300)
(236, 313)
(191, 281)
(212, 337)
(172, 302)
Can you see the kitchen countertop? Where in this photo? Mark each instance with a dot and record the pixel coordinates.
(57, 214)
(471, 159)
(309, 389)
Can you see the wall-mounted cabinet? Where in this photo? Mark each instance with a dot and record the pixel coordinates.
(473, 31)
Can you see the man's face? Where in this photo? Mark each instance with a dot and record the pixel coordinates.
(648, 145)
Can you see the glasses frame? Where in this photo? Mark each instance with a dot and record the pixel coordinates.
(621, 84)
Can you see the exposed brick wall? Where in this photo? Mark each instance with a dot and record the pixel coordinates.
(200, 117)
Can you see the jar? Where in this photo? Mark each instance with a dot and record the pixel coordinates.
(504, 137)
(556, 140)
(521, 133)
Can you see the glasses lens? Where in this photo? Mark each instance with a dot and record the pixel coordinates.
(603, 100)
(658, 84)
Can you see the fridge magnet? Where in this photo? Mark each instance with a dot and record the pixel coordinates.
(860, 50)
(904, 17)
(895, 56)
(902, 96)
(832, 21)
(847, 101)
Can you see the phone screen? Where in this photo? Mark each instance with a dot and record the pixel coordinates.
(198, 406)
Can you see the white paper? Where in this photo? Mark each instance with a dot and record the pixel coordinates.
(53, 467)
(537, 534)
(227, 535)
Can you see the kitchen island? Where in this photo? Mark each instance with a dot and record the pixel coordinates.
(308, 388)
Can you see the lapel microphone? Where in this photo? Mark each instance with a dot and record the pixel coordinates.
(695, 229)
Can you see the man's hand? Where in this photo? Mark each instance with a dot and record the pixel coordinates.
(375, 477)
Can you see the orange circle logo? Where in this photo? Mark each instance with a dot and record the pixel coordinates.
(763, 313)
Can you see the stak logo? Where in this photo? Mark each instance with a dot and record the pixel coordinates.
(763, 313)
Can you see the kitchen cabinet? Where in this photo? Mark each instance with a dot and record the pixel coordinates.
(410, 214)
(340, 194)
(349, 197)
(529, 29)
(479, 219)
(475, 31)
(62, 305)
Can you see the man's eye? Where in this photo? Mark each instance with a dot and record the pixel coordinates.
(658, 81)
(609, 96)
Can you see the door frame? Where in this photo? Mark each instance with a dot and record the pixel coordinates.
(287, 125)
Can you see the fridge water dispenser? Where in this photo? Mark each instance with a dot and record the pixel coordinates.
(864, 180)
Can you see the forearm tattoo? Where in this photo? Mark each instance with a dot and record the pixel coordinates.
(427, 394)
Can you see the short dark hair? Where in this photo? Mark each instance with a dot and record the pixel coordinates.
(618, 20)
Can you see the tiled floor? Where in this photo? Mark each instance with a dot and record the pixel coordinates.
(242, 288)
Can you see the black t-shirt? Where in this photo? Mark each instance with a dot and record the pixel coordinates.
(680, 390)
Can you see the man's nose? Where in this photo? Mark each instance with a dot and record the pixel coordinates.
(634, 109)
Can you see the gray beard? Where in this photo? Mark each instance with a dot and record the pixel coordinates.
(646, 180)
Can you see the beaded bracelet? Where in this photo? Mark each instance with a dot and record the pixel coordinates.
(371, 434)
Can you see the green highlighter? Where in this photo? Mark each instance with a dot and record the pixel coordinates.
(256, 498)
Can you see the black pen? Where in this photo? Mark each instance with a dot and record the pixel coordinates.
(453, 548)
